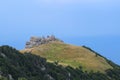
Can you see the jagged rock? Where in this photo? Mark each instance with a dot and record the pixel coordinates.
(3, 55)
(10, 77)
(48, 77)
(35, 41)
(43, 68)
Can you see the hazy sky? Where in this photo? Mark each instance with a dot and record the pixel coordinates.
(94, 23)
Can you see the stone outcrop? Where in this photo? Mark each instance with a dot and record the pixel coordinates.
(36, 41)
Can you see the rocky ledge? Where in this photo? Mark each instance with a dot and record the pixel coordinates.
(36, 41)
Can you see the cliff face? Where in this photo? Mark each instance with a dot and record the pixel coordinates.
(35, 41)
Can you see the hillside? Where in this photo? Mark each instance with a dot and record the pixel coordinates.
(17, 66)
(71, 55)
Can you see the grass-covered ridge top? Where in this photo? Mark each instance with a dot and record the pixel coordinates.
(71, 55)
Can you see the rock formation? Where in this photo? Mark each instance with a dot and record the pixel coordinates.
(35, 41)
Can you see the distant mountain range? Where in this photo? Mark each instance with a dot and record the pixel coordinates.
(51, 59)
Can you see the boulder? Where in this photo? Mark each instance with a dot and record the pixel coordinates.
(36, 41)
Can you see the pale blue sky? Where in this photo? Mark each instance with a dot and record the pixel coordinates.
(94, 23)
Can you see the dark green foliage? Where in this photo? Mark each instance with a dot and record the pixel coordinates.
(22, 78)
(31, 67)
(3, 78)
(97, 54)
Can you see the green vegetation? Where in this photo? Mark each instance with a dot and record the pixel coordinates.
(73, 56)
(17, 66)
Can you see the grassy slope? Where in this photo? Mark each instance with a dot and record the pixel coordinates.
(71, 55)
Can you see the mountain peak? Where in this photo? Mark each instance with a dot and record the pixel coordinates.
(36, 41)
(70, 55)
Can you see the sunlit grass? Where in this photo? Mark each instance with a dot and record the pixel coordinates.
(74, 56)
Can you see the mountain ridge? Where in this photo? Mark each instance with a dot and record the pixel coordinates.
(17, 66)
(71, 55)
(55, 60)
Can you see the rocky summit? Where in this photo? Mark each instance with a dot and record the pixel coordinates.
(36, 41)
